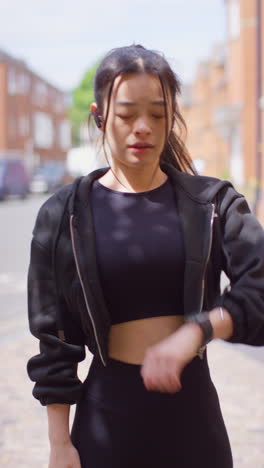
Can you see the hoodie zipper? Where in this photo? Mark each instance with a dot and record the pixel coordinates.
(83, 289)
(208, 255)
(202, 349)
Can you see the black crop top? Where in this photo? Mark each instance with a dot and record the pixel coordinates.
(140, 252)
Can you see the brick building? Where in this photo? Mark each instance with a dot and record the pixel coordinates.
(203, 104)
(225, 108)
(246, 89)
(33, 114)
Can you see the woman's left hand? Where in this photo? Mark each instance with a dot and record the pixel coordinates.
(163, 362)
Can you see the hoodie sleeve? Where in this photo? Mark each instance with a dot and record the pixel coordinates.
(61, 345)
(243, 252)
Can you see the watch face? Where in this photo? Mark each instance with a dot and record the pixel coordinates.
(205, 324)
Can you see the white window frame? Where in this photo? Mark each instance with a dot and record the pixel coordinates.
(43, 130)
(64, 133)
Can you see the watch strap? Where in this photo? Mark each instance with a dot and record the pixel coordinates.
(202, 319)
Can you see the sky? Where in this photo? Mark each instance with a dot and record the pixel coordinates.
(61, 39)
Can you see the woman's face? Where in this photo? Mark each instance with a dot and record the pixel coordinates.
(136, 124)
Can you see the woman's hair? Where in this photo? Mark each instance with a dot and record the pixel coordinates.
(137, 59)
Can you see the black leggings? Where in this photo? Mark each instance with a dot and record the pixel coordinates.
(120, 424)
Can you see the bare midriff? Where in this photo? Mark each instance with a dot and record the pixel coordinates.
(128, 341)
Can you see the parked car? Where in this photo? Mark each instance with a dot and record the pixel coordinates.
(48, 177)
(14, 179)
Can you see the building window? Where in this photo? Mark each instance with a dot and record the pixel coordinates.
(23, 125)
(64, 134)
(43, 130)
(12, 85)
(40, 94)
(23, 84)
(234, 19)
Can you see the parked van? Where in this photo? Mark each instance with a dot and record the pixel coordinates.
(14, 179)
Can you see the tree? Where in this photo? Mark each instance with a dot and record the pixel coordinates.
(82, 97)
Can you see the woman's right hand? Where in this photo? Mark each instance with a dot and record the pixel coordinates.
(64, 456)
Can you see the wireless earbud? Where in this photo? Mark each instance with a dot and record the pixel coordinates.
(97, 117)
(98, 121)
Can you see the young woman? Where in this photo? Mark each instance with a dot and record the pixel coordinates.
(127, 262)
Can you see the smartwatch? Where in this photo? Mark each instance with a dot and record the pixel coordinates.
(202, 319)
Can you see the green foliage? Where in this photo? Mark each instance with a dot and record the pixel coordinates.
(82, 97)
(225, 174)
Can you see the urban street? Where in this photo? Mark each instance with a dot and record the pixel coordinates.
(237, 371)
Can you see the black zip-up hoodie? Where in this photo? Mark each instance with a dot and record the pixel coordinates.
(66, 307)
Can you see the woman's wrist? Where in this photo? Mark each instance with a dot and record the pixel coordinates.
(222, 323)
(58, 421)
(217, 324)
(59, 439)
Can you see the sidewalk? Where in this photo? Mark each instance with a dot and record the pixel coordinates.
(239, 380)
(24, 442)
